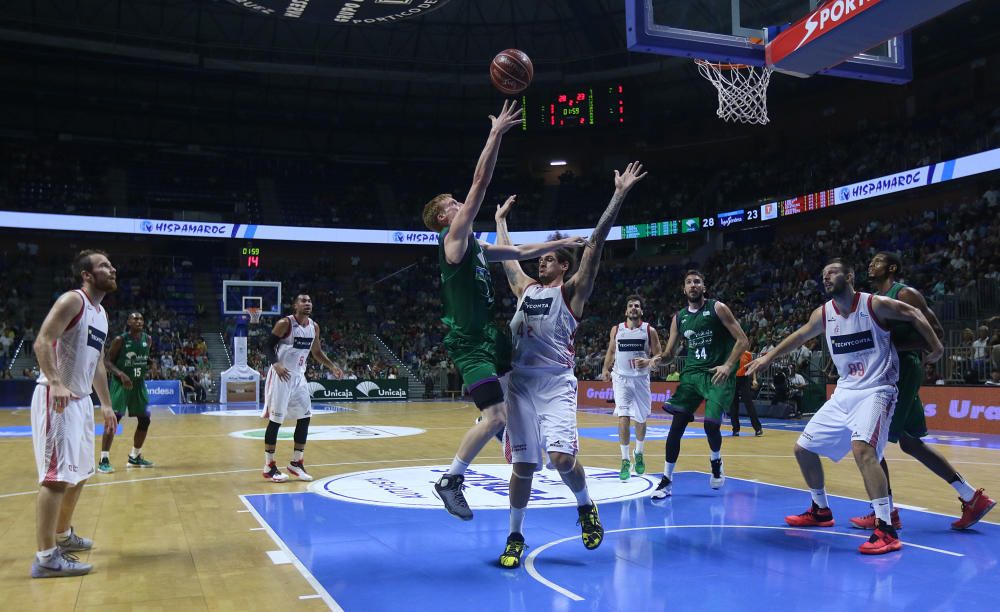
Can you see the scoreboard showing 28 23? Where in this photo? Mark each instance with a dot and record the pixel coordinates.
(574, 107)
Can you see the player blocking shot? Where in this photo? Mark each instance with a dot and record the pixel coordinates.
(480, 350)
(286, 393)
(70, 351)
(542, 426)
(714, 342)
(631, 340)
(128, 363)
(857, 416)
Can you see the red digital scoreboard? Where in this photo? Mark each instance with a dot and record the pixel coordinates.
(576, 107)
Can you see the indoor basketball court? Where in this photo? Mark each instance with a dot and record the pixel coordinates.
(253, 173)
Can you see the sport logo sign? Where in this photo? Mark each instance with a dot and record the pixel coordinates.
(486, 487)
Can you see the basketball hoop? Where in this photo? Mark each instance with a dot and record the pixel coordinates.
(254, 314)
(742, 90)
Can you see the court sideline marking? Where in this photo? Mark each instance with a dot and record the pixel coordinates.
(315, 584)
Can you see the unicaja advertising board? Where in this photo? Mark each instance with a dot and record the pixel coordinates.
(379, 390)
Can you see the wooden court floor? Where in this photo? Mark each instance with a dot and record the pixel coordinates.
(178, 537)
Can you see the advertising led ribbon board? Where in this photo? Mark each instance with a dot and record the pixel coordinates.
(987, 161)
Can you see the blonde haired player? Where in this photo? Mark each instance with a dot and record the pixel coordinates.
(856, 418)
(286, 394)
(70, 351)
(630, 340)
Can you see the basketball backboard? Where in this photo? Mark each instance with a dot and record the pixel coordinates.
(736, 32)
(238, 295)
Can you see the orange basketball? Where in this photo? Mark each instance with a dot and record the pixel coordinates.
(511, 71)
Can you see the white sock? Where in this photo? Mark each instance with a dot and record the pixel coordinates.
(716, 455)
(583, 497)
(458, 466)
(135, 452)
(965, 490)
(45, 555)
(105, 455)
(268, 458)
(65, 534)
(639, 446)
(819, 497)
(517, 520)
(624, 448)
(668, 470)
(297, 455)
(881, 506)
(891, 505)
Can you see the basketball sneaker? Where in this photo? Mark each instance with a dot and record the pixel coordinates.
(449, 489)
(662, 490)
(104, 466)
(272, 473)
(883, 540)
(813, 517)
(591, 529)
(758, 433)
(626, 470)
(867, 522)
(511, 557)
(298, 469)
(139, 462)
(60, 563)
(74, 543)
(718, 477)
(640, 464)
(974, 510)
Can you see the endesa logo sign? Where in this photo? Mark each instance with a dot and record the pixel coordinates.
(729, 218)
(964, 409)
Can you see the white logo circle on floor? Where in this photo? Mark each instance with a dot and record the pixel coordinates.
(335, 432)
(485, 487)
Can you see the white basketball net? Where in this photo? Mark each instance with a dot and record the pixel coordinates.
(742, 90)
(254, 315)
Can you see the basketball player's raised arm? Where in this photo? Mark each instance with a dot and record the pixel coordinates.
(721, 373)
(668, 353)
(281, 329)
(889, 309)
(580, 286)
(100, 386)
(516, 277)
(316, 350)
(63, 312)
(609, 355)
(110, 356)
(520, 252)
(461, 227)
(914, 298)
(811, 329)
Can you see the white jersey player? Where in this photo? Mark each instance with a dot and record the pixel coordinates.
(856, 417)
(541, 387)
(286, 393)
(70, 351)
(630, 340)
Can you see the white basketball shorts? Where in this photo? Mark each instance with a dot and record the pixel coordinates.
(850, 415)
(632, 397)
(541, 407)
(64, 442)
(286, 399)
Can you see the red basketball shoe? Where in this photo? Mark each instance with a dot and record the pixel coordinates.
(974, 510)
(813, 517)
